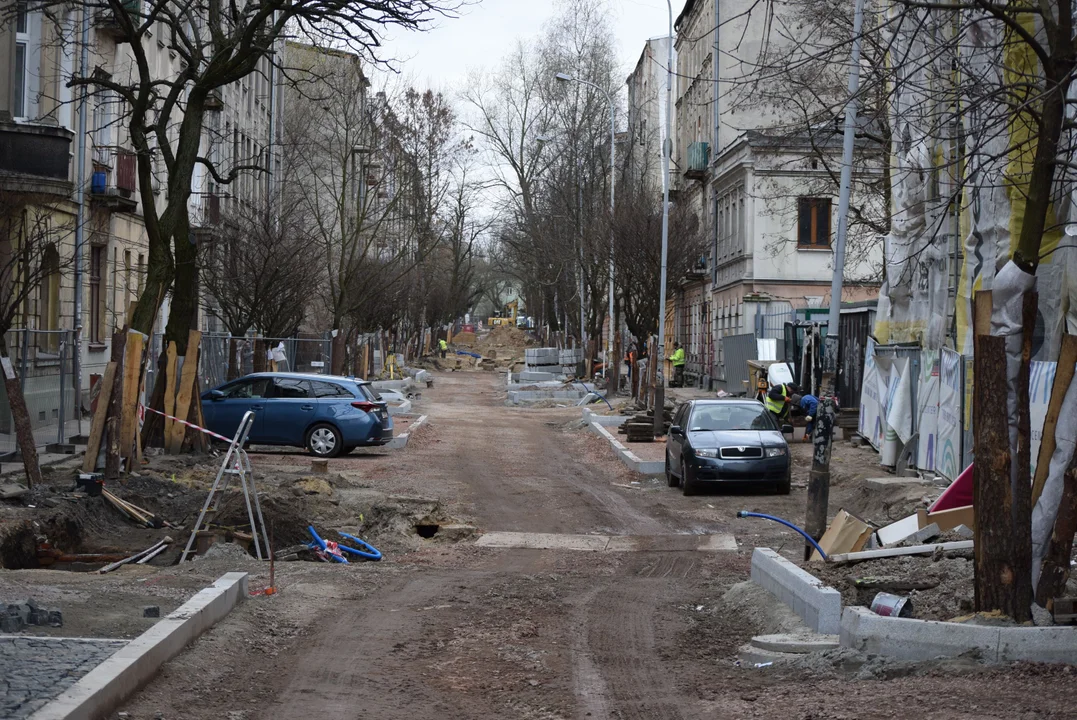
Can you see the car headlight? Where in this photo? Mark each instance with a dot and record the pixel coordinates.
(707, 452)
(775, 451)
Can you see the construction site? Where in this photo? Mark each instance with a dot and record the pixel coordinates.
(512, 552)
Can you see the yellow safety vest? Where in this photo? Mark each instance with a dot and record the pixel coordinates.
(443, 345)
(678, 357)
(775, 406)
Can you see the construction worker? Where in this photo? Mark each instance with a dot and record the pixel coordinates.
(809, 405)
(678, 365)
(779, 401)
(443, 347)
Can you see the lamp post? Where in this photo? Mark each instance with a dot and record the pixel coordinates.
(563, 77)
(667, 150)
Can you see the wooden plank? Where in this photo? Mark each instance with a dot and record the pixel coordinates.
(171, 361)
(899, 551)
(115, 405)
(1067, 358)
(174, 440)
(981, 320)
(97, 425)
(132, 376)
(1055, 569)
(947, 520)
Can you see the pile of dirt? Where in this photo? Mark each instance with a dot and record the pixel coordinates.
(464, 339)
(950, 578)
(504, 342)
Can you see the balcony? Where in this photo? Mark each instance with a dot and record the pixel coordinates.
(113, 183)
(35, 159)
(107, 22)
(698, 161)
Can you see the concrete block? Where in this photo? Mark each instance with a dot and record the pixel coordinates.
(108, 684)
(795, 643)
(914, 640)
(151, 611)
(818, 605)
(532, 376)
(884, 483)
(1055, 644)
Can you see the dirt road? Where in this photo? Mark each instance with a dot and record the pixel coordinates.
(460, 631)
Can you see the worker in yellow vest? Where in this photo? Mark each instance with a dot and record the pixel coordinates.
(779, 401)
(443, 347)
(678, 365)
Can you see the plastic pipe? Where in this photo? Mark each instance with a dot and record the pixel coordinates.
(321, 544)
(596, 392)
(809, 538)
(371, 552)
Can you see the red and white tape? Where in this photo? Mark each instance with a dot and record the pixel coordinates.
(188, 424)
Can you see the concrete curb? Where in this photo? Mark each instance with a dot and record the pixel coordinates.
(916, 640)
(401, 441)
(817, 605)
(629, 458)
(111, 682)
(589, 416)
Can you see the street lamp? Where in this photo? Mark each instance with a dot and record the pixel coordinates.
(667, 150)
(563, 77)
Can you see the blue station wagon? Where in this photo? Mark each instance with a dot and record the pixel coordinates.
(326, 414)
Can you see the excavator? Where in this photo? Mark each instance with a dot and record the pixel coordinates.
(506, 316)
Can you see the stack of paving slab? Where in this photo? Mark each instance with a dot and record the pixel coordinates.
(570, 358)
(541, 364)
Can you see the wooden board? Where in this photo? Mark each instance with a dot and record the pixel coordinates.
(846, 534)
(947, 520)
(132, 376)
(981, 321)
(97, 425)
(171, 361)
(1067, 358)
(174, 440)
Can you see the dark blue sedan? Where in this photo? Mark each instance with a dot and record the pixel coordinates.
(327, 415)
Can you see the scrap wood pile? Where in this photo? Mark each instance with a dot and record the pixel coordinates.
(850, 539)
(640, 427)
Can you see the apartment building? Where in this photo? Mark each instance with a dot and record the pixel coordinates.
(647, 115)
(762, 193)
(39, 147)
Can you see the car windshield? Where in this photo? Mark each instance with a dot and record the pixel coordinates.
(730, 417)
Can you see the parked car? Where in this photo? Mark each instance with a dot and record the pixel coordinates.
(327, 415)
(722, 441)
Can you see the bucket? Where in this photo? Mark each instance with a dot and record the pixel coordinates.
(889, 605)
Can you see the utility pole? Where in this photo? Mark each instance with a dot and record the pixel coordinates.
(822, 437)
(667, 150)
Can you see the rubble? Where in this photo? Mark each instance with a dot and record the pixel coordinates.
(18, 616)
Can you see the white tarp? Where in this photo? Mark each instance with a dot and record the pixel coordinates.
(927, 399)
(948, 452)
(870, 426)
(894, 384)
(1041, 378)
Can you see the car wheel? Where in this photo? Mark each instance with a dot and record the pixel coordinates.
(688, 486)
(784, 486)
(324, 441)
(671, 479)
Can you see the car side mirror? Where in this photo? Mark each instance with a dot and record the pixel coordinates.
(676, 430)
(216, 395)
(787, 429)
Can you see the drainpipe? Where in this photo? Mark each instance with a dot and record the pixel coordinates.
(80, 219)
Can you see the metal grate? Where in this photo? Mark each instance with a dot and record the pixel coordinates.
(741, 452)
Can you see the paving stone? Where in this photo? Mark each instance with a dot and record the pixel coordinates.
(35, 670)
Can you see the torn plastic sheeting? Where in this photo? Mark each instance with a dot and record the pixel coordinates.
(1046, 509)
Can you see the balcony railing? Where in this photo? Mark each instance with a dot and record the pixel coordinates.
(114, 178)
(698, 159)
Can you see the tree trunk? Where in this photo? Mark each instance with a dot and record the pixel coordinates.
(260, 355)
(337, 349)
(1021, 487)
(992, 497)
(234, 363)
(20, 416)
(819, 480)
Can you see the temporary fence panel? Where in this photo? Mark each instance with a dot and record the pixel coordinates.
(854, 329)
(870, 424)
(44, 362)
(927, 411)
(897, 378)
(969, 443)
(949, 461)
(737, 350)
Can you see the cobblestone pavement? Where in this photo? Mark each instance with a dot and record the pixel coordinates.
(34, 670)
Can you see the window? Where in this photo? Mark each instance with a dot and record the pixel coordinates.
(330, 390)
(291, 388)
(813, 222)
(127, 287)
(141, 273)
(22, 41)
(48, 307)
(244, 389)
(97, 298)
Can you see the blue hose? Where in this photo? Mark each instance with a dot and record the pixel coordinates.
(585, 390)
(321, 543)
(809, 538)
(371, 553)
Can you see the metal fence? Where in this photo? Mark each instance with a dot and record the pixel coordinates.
(309, 354)
(44, 362)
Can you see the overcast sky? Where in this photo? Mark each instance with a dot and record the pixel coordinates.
(488, 29)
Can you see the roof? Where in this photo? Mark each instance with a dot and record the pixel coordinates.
(684, 13)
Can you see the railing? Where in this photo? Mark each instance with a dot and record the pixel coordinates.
(43, 361)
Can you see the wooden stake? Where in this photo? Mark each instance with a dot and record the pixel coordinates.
(171, 361)
(174, 440)
(97, 425)
(132, 365)
(1067, 358)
